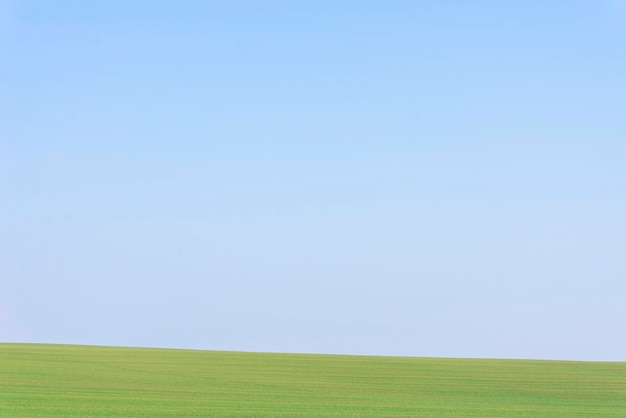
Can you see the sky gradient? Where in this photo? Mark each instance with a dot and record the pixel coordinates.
(432, 178)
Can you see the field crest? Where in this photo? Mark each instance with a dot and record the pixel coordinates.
(49, 380)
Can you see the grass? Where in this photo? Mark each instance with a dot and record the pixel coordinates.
(83, 381)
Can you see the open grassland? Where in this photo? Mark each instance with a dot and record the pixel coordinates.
(82, 381)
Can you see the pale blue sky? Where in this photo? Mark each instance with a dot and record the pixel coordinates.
(427, 178)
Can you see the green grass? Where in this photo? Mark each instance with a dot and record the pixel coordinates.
(82, 381)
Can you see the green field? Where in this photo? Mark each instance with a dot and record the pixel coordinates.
(83, 381)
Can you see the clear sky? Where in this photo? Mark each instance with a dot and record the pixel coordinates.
(426, 178)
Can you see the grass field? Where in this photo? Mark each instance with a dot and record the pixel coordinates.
(83, 381)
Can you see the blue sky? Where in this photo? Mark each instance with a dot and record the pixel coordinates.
(434, 178)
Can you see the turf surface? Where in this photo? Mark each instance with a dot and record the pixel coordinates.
(83, 381)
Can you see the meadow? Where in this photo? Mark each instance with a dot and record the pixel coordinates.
(88, 381)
